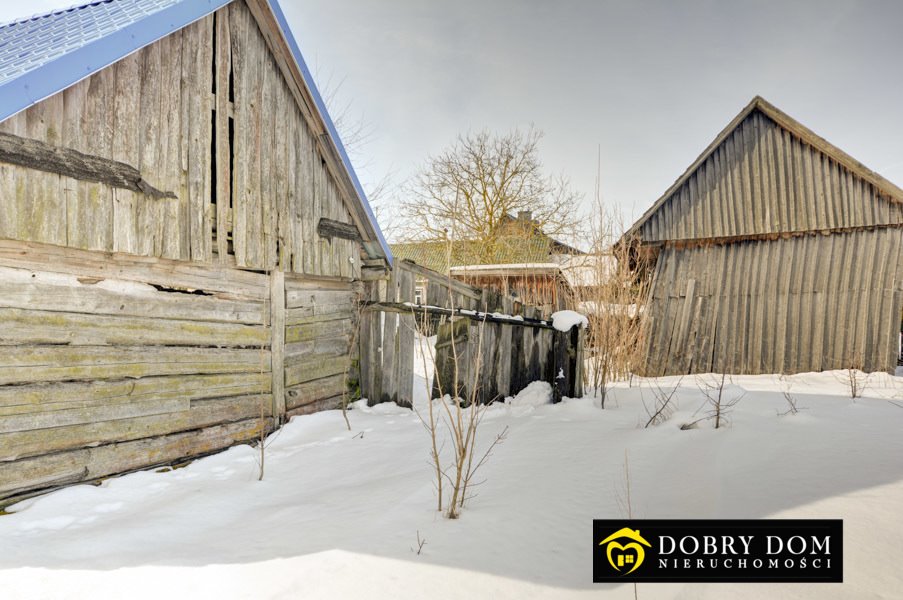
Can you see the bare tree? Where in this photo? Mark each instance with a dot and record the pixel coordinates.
(470, 190)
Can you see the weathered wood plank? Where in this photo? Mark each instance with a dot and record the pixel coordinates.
(316, 330)
(202, 413)
(23, 326)
(222, 178)
(45, 397)
(313, 391)
(28, 290)
(91, 463)
(223, 282)
(310, 369)
(277, 343)
(125, 149)
(24, 364)
(238, 27)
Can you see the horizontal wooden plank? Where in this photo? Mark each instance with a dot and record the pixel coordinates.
(44, 397)
(313, 314)
(318, 348)
(23, 289)
(27, 364)
(18, 326)
(317, 406)
(320, 329)
(88, 414)
(309, 370)
(223, 281)
(318, 298)
(312, 391)
(85, 464)
(202, 413)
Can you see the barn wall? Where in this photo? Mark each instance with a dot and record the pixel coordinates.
(763, 179)
(801, 304)
(204, 113)
(110, 363)
(102, 372)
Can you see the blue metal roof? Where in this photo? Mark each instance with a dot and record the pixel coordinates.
(45, 54)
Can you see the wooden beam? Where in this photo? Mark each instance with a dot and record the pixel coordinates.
(34, 154)
(328, 228)
(408, 308)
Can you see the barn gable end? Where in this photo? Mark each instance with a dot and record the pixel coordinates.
(775, 252)
(217, 115)
(765, 174)
(182, 239)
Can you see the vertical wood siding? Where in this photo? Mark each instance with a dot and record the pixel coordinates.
(159, 110)
(763, 179)
(806, 303)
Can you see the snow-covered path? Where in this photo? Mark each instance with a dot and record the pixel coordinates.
(338, 512)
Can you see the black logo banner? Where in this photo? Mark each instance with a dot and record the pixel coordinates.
(712, 550)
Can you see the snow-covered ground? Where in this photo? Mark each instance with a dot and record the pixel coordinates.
(338, 513)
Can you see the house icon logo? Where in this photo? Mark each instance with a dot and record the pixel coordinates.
(621, 556)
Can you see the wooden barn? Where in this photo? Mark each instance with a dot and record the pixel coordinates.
(181, 237)
(775, 252)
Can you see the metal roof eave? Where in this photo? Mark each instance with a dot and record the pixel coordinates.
(68, 69)
(330, 126)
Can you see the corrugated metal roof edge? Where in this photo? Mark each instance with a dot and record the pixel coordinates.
(330, 126)
(42, 82)
(35, 85)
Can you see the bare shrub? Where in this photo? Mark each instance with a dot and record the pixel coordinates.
(612, 291)
(717, 407)
(459, 415)
(420, 544)
(853, 378)
(792, 407)
(663, 405)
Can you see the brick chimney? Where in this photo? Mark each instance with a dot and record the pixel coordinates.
(525, 216)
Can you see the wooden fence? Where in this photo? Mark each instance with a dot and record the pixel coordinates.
(479, 352)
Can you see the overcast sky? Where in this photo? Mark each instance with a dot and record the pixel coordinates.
(650, 83)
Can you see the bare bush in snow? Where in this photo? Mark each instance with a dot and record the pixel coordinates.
(720, 401)
(612, 291)
(663, 405)
(457, 413)
(853, 378)
(792, 407)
